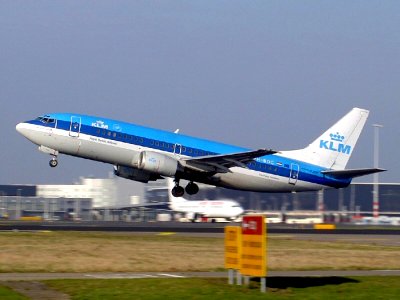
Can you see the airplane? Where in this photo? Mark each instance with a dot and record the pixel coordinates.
(210, 209)
(145, 154)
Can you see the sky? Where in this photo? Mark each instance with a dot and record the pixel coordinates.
(257, 74)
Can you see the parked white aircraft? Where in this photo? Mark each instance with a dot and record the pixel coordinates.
(210, 209)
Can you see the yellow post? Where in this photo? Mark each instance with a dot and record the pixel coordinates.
(232, 250)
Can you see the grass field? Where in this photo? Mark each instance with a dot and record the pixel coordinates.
(132, 252)
(8, 294)
(278, 288)
(217, 288)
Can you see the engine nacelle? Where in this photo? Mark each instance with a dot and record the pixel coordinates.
(135, 174)
(157, 163)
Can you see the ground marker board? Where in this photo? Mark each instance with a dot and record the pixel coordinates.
(254, 246)
(232, 247)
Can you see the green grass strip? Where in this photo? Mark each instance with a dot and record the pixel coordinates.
(387, 287)
(8, 294)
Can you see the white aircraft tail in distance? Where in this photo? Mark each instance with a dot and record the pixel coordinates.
(146, 154)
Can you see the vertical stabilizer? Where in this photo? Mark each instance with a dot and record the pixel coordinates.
(334, 147)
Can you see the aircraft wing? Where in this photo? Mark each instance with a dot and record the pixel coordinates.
(221, 163)
(351, 173)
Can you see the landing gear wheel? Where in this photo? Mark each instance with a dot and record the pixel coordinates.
(53, 163)
(192, 188)
(178, 191)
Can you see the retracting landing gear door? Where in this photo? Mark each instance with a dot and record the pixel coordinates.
(75, 127)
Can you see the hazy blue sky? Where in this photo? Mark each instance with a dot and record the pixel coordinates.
(272, 74)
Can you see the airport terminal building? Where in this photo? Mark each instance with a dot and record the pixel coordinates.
(77, 201)
(90, 196)
(356, 197)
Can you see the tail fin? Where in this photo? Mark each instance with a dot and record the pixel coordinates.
(335, 146)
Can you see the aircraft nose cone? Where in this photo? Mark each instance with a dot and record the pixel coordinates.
(21, 128)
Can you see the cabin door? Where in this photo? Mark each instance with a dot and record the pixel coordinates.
(294, 173)
(177, 150)
(75, 127)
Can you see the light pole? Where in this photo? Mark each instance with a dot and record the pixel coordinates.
(375, 193)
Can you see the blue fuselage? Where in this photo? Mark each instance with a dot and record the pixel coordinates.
(121, 143)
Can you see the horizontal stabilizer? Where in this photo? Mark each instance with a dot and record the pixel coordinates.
(351, 173)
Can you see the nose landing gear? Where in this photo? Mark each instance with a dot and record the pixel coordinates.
(53, 162)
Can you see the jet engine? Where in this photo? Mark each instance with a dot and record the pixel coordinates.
(157, 163)
(135, 174)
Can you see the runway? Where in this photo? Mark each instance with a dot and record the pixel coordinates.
(188, 227)
(148, 275)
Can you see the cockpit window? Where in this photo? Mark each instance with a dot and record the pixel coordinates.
(46, 119)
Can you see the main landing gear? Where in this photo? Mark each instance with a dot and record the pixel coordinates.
(53, 162)
(192, 188)
(178, 191)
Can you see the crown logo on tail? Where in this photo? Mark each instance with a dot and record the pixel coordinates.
(337, 137)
